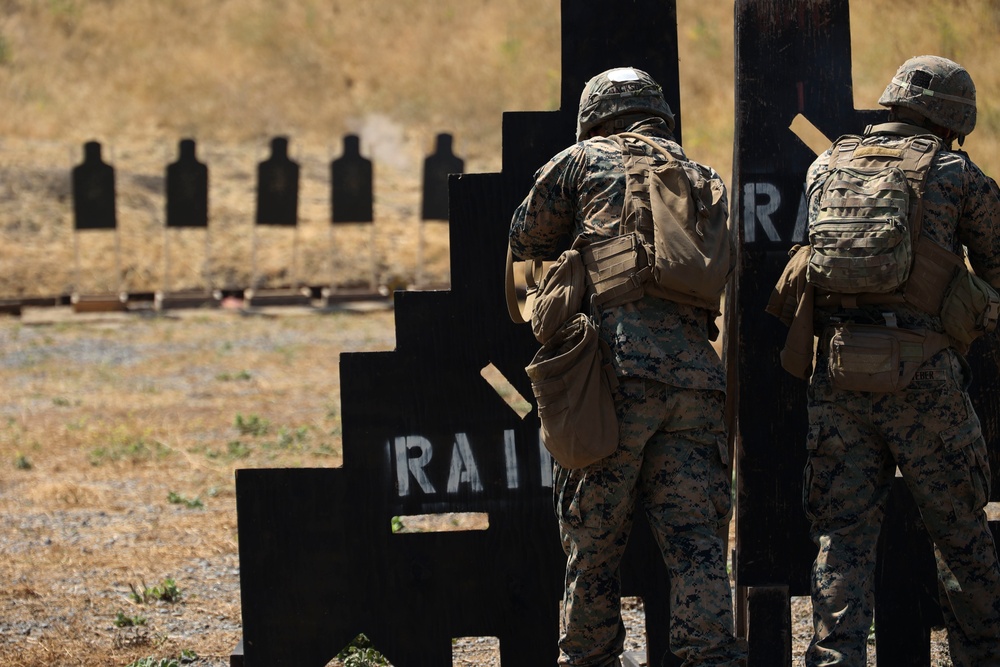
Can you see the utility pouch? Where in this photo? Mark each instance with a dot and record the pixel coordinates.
(879, 359)
(971, 308)
(616, 269)
(559, 296)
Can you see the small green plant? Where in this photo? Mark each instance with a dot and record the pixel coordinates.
(150, 661)
(230, 377)
(191, 503)
(167, 591)
(123, 446)
(236, 449)
(21, 462)
(187, 656)
(288, 438)
(124, 621)
(252, 425)
(361, 653)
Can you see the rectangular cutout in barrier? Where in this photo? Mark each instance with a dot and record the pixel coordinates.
(451, 522)
(507, 391)
(810, 135)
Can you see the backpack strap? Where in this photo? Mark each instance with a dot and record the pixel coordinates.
(636, 215)
(532, 276)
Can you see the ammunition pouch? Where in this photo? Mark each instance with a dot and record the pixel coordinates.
(617, 270)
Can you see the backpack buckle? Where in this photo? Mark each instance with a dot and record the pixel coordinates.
(990, 317)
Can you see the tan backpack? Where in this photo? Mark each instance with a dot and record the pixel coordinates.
(870, 213)
(674, 240)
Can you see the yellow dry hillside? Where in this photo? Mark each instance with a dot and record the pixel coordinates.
(236, 70)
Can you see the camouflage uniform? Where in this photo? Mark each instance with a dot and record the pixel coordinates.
(672, 456)
(929, 430)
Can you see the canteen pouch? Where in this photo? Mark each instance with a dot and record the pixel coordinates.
(572, 386)
(970, 308)
(878, 359)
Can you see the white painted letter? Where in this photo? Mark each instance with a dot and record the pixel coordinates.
(801, 220)
(752, 213)
(406, 466)
(463, 466)
(510, 456)
(545, 461)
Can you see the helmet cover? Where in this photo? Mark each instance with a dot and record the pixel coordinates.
(618, 92)
(938, 89)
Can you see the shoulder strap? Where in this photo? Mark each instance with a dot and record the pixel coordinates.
(532, 276)
(920, 151)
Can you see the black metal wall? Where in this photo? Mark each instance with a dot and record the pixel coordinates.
(425, 433)
(791, 59)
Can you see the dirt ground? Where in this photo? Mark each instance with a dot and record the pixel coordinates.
(119, 437)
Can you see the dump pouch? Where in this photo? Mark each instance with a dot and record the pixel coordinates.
(572, 381)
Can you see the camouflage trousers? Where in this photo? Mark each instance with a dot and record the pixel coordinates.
(856, 441)
(672, 460)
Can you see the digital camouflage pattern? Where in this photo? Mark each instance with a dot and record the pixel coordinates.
(929, 430)
(672, 453)
(856, 441)
(619, 92)
(672, 459)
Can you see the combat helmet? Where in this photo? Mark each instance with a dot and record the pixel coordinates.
(936, 88)
(622, 91)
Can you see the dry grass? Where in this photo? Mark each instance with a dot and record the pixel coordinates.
(105, 418)
(236, 73)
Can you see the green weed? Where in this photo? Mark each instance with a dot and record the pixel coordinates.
(167, 591)
(21, 462)
(236, 449)
(361, 653)
(191, 503)
(230, 377)
(123, 621)
(187, 656)
(252, 425)
(150, 661)
(123, 446)
(289, 438)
